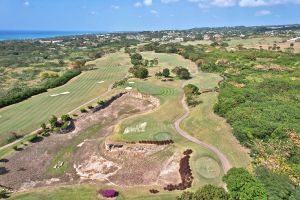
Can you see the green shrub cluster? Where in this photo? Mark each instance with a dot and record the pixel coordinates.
(18, 96)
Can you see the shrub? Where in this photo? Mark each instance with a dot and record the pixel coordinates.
(66, 117)
(166, 72)
(83, 110)
(182, 73)
(33, 137)
(109, 193)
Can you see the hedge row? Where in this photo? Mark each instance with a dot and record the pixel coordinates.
(29, 92)
(185, 173)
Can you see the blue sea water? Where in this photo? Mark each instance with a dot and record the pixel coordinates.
(23, 35)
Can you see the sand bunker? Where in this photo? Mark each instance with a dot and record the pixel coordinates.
(138, 128)
(55, 95)
(128, 88)
(131, 82)
(96, 168)
(100, 82)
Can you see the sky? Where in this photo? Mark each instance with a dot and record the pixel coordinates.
(138, 15)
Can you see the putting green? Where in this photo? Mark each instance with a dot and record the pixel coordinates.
(208, 167)
(162, 136)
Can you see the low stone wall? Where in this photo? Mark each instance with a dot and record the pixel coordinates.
(108, 102)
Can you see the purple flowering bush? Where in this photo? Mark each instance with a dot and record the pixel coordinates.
(109, 193)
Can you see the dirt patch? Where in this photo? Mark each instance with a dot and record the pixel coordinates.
(238, 85)
(170, 171)
(125, 164)
(28, 168)
(273, 67)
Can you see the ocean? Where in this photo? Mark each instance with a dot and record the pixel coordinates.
(24, 35)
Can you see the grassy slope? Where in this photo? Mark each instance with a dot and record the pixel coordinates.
(205, 125)
(160, 122)
(26, 116)
(159, 125)
(89, 192)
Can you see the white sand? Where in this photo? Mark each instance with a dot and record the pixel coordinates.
(128, 88)
(131, 82)
(55, 95)
(65, 93)
(100, 82)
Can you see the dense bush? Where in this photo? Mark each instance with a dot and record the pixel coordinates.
(207, 192)
(278, 186)
(139, 72)
(182, 73)
(242, 185)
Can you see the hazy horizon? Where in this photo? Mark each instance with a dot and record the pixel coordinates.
(143, 15)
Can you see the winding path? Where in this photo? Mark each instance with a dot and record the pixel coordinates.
(225, 162)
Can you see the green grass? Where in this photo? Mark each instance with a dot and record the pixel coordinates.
(203, 124)
(90, 192)
(27, 116)
(160, 122)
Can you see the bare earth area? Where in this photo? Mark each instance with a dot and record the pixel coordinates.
(129, 164)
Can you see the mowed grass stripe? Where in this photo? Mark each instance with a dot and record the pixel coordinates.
(26, 116)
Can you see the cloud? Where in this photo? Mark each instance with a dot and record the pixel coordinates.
(168, 1)
(242, 3)
(137, 4)
(115, 7)
(218, 3)
(223, 3)
(257, 3)
(26, 3)
(154, 12)
(93, 12)
(147, 2)
(262, 13)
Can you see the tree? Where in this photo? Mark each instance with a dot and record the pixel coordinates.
(3, 193)
(53, 122)
(136, 59)
(43, 126)
(65, 117)
(182, 73)
(278, 186)
(186, 196)
(166, 72)
(141, 72)
(242, 185)
(210, 192)
(191, 89)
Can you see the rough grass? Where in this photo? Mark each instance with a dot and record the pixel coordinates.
(205, 125)
(160, 122)
(27, 116)
(90, 192)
